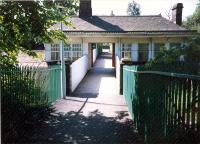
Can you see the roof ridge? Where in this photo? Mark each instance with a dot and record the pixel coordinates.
(123, 16)
(130, 16)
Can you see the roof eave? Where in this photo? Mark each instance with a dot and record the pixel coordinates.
(186, 33)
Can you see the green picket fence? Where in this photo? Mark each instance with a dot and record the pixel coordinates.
(31, 86)
(164, 105)
(26, 92)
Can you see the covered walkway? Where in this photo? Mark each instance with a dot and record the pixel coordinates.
(95, 113)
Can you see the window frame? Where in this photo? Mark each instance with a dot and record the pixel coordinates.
(55, 51)
(146, 52)
(72, 51)
(126, 50)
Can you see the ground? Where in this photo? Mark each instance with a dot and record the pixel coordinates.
(94, 114)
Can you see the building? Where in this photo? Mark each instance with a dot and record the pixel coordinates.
(137, 38)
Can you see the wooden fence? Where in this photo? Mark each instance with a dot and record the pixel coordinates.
(164, 105)
(26, 91)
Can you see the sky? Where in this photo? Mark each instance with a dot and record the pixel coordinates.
(148, 7)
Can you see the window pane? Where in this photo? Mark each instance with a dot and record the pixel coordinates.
(73, 51)
(55, 53)
(76, 51)
(66, 47)
(126, 51)
(143, 52)
(157, 48)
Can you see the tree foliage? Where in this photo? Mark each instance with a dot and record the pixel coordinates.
(189, 52)
(193, 21)
(133, 9)
(24, 24)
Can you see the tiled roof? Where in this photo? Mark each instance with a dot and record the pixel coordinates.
(123, 24)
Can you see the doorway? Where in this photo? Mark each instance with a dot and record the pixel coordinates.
(98, 49)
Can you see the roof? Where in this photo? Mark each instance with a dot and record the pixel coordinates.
(124, 24)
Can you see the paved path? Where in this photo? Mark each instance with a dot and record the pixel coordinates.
(94, 114)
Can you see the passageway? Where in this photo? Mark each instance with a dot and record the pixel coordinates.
(95, 113)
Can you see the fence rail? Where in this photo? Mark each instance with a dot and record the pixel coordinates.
(165, 106)
(31, 86)
(26, 92)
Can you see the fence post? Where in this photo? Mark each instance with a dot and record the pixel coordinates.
(63, 73)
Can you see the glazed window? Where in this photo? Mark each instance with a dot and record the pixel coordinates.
(55, 51)
(73, 51)
(143, 51)
(126, 51)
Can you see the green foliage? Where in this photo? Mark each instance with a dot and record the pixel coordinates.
(24, 24)
(25, 91)
(100, 47)
(193, 21)
(133, 9)
(171, 58)
(19, 89)
(168, 55)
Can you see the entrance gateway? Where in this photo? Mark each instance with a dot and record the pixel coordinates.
(96, 48)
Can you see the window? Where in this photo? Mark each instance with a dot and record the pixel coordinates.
(77, 50)
(67, 51)
(73, 51)
(126, 51)
(143, 51)
(55, 53)
(157, 48)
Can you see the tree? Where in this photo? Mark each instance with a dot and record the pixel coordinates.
(24, 24)
(193, 21)
(168, 13)
(133, 9)
(189, 51)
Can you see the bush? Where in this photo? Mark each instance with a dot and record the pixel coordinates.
(185, 59)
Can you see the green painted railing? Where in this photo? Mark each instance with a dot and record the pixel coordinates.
(165, 106)
(25, 93)
(31, 86)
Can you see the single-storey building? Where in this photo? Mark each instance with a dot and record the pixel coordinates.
(134, 38)
(137, 38)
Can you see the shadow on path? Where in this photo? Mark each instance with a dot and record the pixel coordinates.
(76, 128)
(96, 115)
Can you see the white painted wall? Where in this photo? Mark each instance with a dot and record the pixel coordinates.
(118, 72)
(78, 70)
(150, 51)
(134, 52)
(85, 48)
(95, 53)
(117, 49)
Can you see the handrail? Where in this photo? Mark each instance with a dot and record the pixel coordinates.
(195, 77)
(34, 69)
